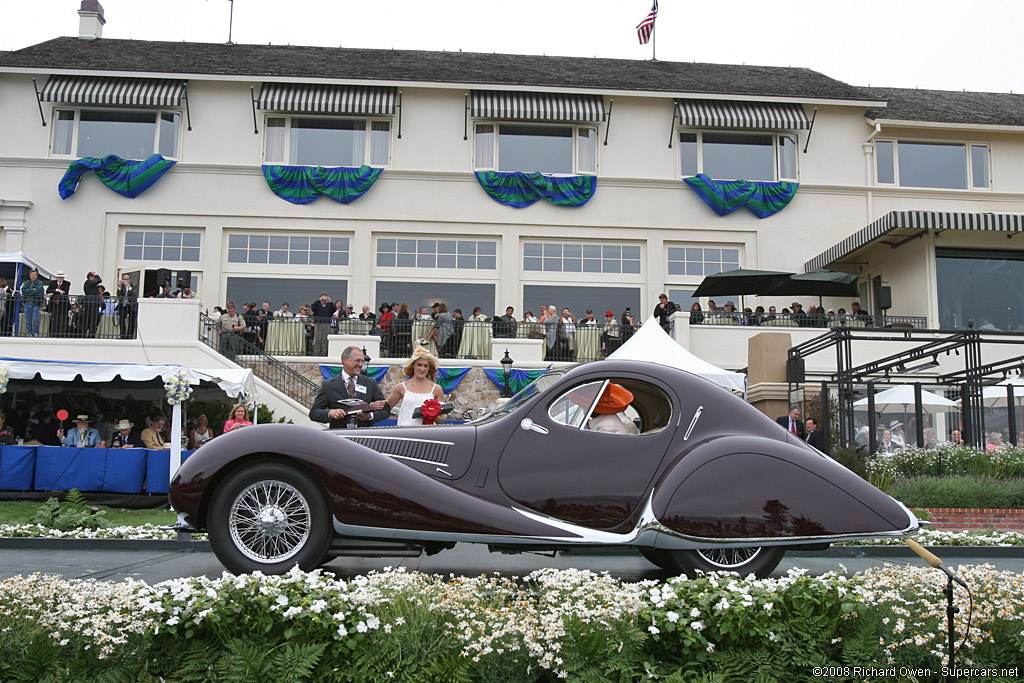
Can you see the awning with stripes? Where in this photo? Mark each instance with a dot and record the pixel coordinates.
(916, 221)
(135, 92)
(729, 114)
(327, 99)
(536, 106)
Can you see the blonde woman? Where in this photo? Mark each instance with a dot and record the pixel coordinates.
(421, 369)
(201, 433)
(239, 418)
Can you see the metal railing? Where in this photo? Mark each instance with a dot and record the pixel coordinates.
(236, 348)
(76, 317)
(808, 320)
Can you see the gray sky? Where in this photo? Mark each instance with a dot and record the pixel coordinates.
(938, 44)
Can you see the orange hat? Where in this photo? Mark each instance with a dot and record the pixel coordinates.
(614, 400)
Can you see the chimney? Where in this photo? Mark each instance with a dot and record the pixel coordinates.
(90, 24)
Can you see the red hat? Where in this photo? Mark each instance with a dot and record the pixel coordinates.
(609, 313)
(615, 399)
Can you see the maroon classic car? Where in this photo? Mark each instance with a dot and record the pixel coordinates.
(691, 476)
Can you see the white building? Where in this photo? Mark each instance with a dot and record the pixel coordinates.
(918, 190)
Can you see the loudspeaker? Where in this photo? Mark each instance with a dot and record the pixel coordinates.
(795, 370)
(184, 279)
(885, 298)
(163, 277)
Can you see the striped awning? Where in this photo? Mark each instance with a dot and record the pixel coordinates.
(536, 106)
(134, 92)
(327, 99)
(728, 114)
(916, 221)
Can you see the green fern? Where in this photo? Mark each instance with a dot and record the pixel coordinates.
(293, 662)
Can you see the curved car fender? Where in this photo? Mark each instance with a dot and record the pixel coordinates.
(756, 487)
(364, 488)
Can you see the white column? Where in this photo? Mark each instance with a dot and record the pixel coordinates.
(175, 439)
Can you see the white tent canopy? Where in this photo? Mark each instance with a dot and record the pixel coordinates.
(901, 398)
(19, 257)
(650, 343)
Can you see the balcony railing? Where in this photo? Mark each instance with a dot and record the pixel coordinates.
(789, 320)
(78, 316)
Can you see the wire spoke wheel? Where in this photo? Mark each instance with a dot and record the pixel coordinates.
(729, 558)
(269, 521)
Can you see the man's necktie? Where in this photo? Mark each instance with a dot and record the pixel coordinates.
(792, 426)
(352, 388)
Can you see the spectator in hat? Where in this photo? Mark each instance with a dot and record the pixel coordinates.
(59, 305)
(82, 436)
(124, 437)
(610, 338)
(898, 436)
(608, 414)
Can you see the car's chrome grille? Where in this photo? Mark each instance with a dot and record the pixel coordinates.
(415, 449)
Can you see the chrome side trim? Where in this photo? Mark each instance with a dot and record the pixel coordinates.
(356, 437)
(693, 422)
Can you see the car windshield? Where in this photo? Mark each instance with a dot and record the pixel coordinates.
(526, 395)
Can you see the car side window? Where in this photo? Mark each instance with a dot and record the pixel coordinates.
(573, 407)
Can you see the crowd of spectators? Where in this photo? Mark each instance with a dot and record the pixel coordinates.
(814, 316)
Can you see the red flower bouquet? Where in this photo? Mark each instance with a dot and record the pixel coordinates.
(430, 410)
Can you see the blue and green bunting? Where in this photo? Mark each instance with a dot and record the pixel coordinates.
(449, 378)
(519, 380)
(762, 198)
(304, 184)
(377, 373)
(126, 177)
(522, 189)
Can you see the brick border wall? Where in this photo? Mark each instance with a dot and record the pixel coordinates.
(961, 519)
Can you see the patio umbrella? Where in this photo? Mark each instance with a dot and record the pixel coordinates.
(816, 283)
(902, 398)
(739, 281)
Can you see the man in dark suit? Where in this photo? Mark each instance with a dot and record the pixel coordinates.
(59, 305)
(792, 424)
(127, 306)
(349, 384)
(815, 436)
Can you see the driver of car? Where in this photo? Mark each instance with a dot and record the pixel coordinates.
(608, 414)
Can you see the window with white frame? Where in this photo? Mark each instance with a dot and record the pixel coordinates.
(162, 245)
(738, 156)
(435, 253)
(327, 141)
(526, 147)
(944, 165)
(129, 134)
(701, 261)
(577, 257)
(304, 250)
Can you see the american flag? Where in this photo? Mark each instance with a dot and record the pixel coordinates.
(646, 27)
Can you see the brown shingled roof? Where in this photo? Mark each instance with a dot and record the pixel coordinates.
(259, 61)
(949, 106)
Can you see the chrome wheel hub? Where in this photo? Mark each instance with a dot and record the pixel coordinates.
(269, 521)
(729, 558)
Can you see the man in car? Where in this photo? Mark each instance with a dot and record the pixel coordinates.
(329, 406)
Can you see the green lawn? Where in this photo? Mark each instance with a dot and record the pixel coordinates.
(18, 512)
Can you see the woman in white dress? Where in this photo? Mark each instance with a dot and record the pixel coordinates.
(476, 337)
(421, 369)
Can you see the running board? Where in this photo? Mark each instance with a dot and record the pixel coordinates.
(354, 547)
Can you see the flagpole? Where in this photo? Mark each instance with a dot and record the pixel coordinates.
(231, 21)
(654, 40)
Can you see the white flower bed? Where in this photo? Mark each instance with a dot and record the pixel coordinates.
(143, 532)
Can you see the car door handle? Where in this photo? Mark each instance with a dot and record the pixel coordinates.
(529, 424)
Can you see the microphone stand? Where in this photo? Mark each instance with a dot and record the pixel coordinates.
(951, 610)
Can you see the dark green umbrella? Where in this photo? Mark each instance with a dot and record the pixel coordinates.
(816, 283)
(740, 281)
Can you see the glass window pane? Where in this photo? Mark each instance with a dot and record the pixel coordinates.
(237, 255)
(979, 167)
(676, 268)
(712, 255)
(274, 133)
(484, 145)
(738, 156)
(426, 246)
(688, 153)
(586, 140)
(467, 247)
(190, 239)
(258, 256)
(612, 266)
(279, 242)
(168, 146)
(553, 264)
(631, 252)
(426, 261)
(531, 249)
(535, 148)
(318, 258)
(133, 253)
(153, 239)
(386, 245)
(486, 262)
(172, 239)
(380, 143)
(612, 251)
(693, 268)
(630, 266)
(172, 254)
(407, 246)
(676, 254)
(319, 243)
(133, 237)
(327, 142)
(467, 261)
(151, 253)
(694, 254)
(591, 265)
(63, 131)
(529, 263)
(339, 244)
(386, 260)
(339, 258)
(787, 157)
(128, 134)
(446, 246)
(298, 258)
(885, 172)
(572, 250)
(489, 248)
(406, 260)
(731, 255)
(932, 164)
(299, 244)
(591, 251)
(553, 250)
(190, 254)
(573, 265)
(446, 260)
(280, 257)
(712, 268)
